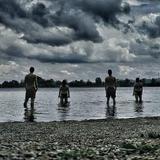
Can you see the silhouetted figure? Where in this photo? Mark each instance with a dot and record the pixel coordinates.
(31, 87)
(110, 87)
(138, 90)
(64, 92)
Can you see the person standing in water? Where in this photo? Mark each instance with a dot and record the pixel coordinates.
(31, 87)
(64, 92)
(110, 87)
(138, 90)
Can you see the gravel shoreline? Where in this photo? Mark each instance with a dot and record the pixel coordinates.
(94, 139)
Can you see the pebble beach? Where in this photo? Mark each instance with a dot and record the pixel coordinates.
(118, 139)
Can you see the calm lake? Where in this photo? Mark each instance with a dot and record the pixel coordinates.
(85, 103)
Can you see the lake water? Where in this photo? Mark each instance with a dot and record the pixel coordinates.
(85, 103)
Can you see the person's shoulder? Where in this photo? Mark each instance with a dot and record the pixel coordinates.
(141, 84)
(107, 78)
(135, 84)
(27, 75)
(33, 75)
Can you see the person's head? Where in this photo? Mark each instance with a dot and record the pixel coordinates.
(137, 79)
(109, 72)
(31, 69)
(64, 82)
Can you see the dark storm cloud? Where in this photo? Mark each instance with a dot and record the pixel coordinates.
(58, 57)
(74, 54)
(72, 58)
(69, 16)
(47, 37)
(11, 52)
(9, 12)
(147, 22)
(39, 26)
(105, 9)
(41, 15)
(152, 28)
(81, 16)
(12, 15)
(83, 25)
(148, 13)
(11, 8)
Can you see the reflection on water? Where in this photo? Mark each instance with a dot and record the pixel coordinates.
(111, 111)
(29, 114)
(85, 103)
(63, 110)
(138, 107)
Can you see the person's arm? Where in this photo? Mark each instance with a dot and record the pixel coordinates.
(68, 93)
(134, 90)
(36, 83)
(25, 84)
(142, 87)
(59, 92)
(115, 84)
(105, 84)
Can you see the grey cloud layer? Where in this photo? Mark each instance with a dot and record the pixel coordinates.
(79, 15)
(148, 26)
(56, 31)
(78, 31)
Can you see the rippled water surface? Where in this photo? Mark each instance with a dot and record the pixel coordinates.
(85, 103)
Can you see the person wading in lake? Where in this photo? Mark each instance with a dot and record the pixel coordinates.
(110, 87)
(138, 90)
(31, 87)
(64, 92)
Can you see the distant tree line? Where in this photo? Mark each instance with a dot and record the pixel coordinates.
(42, 83)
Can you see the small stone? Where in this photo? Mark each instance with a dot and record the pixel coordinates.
(52, 154)
(29, 154)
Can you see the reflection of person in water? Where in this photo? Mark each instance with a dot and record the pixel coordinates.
(64, 92)
(110, 111)
(31, 86)
(138, 90)
(138, 107)
(63, 111)
(29, 115)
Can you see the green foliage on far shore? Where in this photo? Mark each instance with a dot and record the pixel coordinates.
(43, 83)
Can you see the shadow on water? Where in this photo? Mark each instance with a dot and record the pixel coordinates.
(110, 111)
(63, 110)
(29, 114)
(138, 107)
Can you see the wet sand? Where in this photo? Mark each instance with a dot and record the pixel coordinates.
(95, 139)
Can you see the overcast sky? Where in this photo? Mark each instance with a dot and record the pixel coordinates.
(79, 39)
